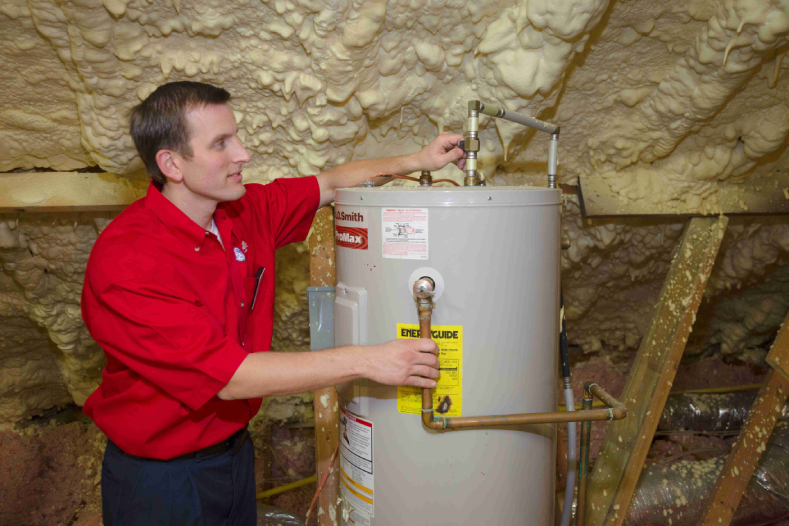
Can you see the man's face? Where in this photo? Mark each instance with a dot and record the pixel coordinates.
(214, 170)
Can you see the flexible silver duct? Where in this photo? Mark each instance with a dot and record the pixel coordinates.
(678, 490)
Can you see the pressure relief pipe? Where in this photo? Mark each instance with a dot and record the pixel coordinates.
(424, 290)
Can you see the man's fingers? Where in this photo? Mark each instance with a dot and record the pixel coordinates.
(418, 381)
(451, 156)
(426, 372)
(426, 358)
(450, 139)
(425, 345)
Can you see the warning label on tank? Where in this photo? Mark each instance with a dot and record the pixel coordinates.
(350, 227)
(404, 233)
(448, 394)
(356, 462)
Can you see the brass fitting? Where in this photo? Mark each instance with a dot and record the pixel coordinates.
(471, 180)
(471, 144)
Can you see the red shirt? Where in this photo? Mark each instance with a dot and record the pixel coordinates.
(170, 308)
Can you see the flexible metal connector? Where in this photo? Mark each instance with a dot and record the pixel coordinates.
(553, 154)
(572, 451)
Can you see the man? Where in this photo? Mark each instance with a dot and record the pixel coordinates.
(179, 292)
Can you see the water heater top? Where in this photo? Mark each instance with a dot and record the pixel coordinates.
(461, 196)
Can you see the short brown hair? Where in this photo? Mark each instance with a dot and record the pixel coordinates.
(159, 122)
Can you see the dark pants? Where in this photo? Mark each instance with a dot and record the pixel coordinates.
(215, 490)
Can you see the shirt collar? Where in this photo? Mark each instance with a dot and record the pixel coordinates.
(186, 230)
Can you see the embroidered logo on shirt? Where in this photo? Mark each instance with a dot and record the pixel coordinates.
(244, 246)
(239, 255)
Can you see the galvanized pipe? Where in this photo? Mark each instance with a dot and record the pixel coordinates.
(615, 410)
(531, 122)
(476, 107)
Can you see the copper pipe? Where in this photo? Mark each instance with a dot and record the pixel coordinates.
(423, 290)
(445, 181)
(615, 410)
(392, 176)
(461, 422)
(422, 179)
(583, 472)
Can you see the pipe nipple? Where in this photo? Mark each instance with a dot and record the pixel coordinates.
(424, 288)
(471, 179)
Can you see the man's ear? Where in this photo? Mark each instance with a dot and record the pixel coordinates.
(169, 163)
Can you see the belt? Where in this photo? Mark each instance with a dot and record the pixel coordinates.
(233, 443)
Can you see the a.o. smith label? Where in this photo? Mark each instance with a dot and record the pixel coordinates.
(350, 230)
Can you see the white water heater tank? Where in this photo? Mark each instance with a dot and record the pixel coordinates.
(493, 253)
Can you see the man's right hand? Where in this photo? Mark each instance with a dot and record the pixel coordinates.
(399, 362)
(403, 362)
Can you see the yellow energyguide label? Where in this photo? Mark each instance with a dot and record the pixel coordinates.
(448, 394)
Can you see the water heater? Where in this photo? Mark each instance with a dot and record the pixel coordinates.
(493, 254)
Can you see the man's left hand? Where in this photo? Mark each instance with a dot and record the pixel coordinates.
(441, 151)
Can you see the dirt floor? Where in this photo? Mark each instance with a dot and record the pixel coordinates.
(52, 464)
(52, 469)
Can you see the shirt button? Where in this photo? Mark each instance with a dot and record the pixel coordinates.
(206, 233)
(242, 303)
(197, 249)
(242, 344)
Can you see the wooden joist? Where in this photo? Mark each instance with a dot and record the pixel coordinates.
(68, 192)
(323, 274)
(744, 456)
(627, 441)
(607, 196)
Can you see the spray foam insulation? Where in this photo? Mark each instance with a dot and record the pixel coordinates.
(652, 96)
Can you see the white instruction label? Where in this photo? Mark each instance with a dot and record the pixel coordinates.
(404, 233)
(356, 463)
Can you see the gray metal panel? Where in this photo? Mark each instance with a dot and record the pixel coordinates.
(350, 315)
(350, 328)
(500, 263)
(321, 302)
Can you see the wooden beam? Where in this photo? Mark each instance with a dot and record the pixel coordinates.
(744, 457)
(68, 192)
(601, 196)
(778, 356)
(323, 274)
(627, 441)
